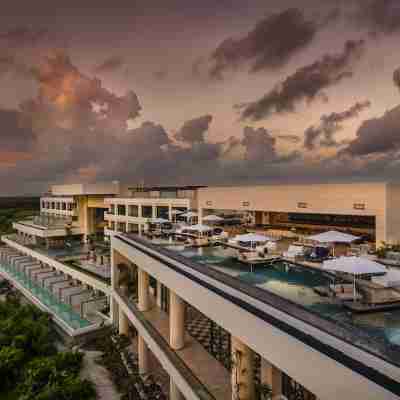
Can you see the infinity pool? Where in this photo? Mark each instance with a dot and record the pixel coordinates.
(296, 283)
(62, 310)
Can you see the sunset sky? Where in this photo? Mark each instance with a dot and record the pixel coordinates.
(198, 92)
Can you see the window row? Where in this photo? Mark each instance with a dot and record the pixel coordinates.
(56, 205)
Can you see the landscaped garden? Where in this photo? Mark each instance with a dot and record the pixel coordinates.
(31, 368)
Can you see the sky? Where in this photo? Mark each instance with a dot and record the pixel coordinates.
(189, 92)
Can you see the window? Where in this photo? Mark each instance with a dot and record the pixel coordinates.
(53, 205)
(245, 203)
(121, 209)
(112, 225)
(43, 204)
(163, 212)
(112, 209)
(121, 227)
(70, 206)
(209, 203)
(134, 228)
(147, 211)
(302, 205)
(64, 206)
(359, 206)
(133, 211)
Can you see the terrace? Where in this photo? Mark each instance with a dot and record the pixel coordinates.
(290, 287)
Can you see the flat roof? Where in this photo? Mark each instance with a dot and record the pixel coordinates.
(166, 188)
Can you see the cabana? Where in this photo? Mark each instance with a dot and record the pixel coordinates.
(332, 238)
(354, 266)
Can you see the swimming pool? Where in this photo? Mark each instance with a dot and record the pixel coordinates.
(62, 310)
(296, 283)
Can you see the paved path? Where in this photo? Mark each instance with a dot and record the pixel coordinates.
(99, 376)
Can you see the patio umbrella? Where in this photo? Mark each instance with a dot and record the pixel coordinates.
(252, 238)
(354, 266)
(212, 218)
(199, 228)
(333, 237)
(189, 214)
(158, 220)
(177, 212)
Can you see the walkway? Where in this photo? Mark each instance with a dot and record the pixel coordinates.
(205, 367)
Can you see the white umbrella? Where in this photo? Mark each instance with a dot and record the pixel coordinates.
(189, 214)
(177, 212)
(252, 237)
(199, 228)
(333, 237)
(212, 218)
(158, 220)
(354, 266)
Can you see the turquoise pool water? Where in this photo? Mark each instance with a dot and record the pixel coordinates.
(63, 311)
(296, 284)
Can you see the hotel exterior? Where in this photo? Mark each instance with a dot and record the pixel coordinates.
(214, 335)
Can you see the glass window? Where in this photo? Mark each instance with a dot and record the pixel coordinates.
(112, 209)
(133, 210)
(134, 228)
(147, 211)
(121, 209)
(112, 225)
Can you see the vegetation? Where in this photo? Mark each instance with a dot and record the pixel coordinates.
(30, 366)
(16, 208)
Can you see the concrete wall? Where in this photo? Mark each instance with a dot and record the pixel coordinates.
(86, 189)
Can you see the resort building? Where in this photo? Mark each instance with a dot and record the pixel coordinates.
(217, 328)
(363, 208)
(133, 213)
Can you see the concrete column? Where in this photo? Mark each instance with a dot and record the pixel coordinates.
(174, 392)
(143, 356)
(176, 321)
(200, 215)
(143, 290)
(123, 323)
(242, 371)
(170, 212)
(159, 286)
(154, 212)
(271, 376)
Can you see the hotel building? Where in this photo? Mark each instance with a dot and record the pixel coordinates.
(217, 331)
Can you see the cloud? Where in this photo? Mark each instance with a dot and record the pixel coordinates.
(259, 144)
(306, 83)
(377, 135)
(270, 44)
(16, 136)
(380, 16)
(160, 74)
(109, 65)
(331, 124)
(396, 78)
(193, 131)
(289, 138)
(23, 36)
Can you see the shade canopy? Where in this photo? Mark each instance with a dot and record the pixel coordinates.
(177, 212)
(189, 214)
(333, 237)
(212, 218)
(252, 237)
(199, 228)
(158, 221)
(354, 265)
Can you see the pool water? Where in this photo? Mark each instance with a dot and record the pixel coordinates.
(296, 283)
(62, 310)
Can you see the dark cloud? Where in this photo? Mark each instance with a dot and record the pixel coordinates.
(193, 131)
(305, 84)
(377, 135)
(396, 78)
(259, 144)
(272, 42)
(331, 124)
(109, 65)
(160, 74)
(15, 135)
(23, 36)
(379, 16)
